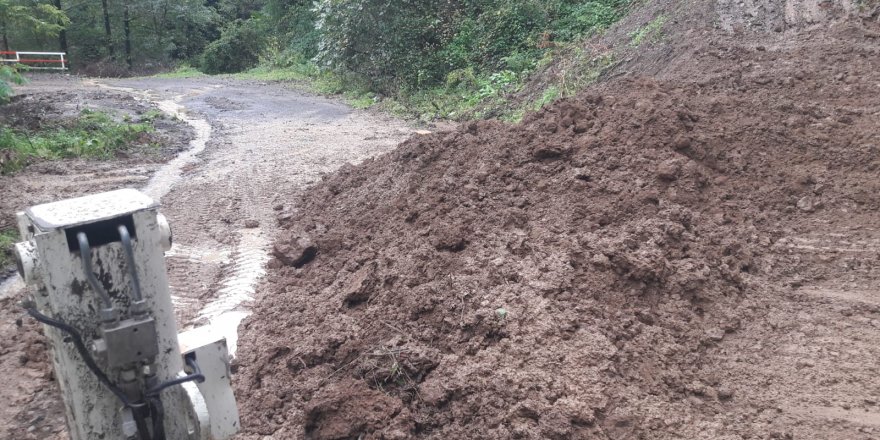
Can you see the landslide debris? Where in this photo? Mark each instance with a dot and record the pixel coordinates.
(560, 278)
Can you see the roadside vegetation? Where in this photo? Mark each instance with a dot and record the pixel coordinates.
(425, 58)
(8, 237)
(430, 59)
(93, 134)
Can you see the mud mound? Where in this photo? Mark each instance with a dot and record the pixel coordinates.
(561, 278)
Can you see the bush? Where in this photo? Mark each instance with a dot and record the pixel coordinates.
(440, 57)
(9, 75)
(238, 49)
(411, 45)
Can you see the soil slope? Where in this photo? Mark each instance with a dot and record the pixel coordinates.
(613, 267)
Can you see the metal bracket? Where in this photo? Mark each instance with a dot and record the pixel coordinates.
(131, 341)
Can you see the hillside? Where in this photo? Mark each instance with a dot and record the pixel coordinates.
(686, 249)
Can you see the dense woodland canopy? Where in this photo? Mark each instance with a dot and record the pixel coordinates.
(389, 46)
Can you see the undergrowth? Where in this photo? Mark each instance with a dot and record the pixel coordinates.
(184, 71)
(8, 237)
(426, 59)
(465, 94)
(649, 33)
(94, 134)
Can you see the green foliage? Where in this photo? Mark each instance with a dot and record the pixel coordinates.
(238, 49)
(584, 18)
(9, 75)
(94, 134)
(437, 58)
(651, 32)
(424, 58)
(8, 238)
(183, 71)
(39, 18)
(549, 95)
(496, 83)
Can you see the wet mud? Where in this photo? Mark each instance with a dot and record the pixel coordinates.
(659, 257)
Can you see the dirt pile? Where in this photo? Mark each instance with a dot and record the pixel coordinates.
(564, 278)
(24, 353)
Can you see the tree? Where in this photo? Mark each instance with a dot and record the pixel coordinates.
(107, 32)
(40, 19)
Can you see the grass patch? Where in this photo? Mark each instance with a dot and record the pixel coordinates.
(312, 79)
(181, 72)
(651, 32)
(94, 134)
(577, 68)
(266, 73)
(8, 237)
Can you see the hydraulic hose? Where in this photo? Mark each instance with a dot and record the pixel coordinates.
(85, 252)
(125, 237)
(195, 376)
(84, 354)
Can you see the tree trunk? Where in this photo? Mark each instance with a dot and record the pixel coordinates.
(62, 36)
(126, 23)
(5, 41)
(107, 29)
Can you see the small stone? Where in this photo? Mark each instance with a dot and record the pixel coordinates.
(669, 170)
(601, 260)
(715, 334)
(724, 393)
(808, 204)
(297, 252)
(806, 363)
(501, 313)
(251, 224)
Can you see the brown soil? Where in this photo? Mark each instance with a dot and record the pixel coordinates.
(690, 255)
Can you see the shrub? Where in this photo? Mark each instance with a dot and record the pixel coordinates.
(238, 48)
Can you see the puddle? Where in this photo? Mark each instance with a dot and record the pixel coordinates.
(11, 286)
(225, 313)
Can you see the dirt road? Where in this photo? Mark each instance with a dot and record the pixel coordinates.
(251, 142)
(260, 140)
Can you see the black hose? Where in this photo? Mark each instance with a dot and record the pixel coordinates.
(141, 423)
(85, 253)
(195, 376)
(84, 353)
(125, 237)
(155, 403)
(158, 412)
